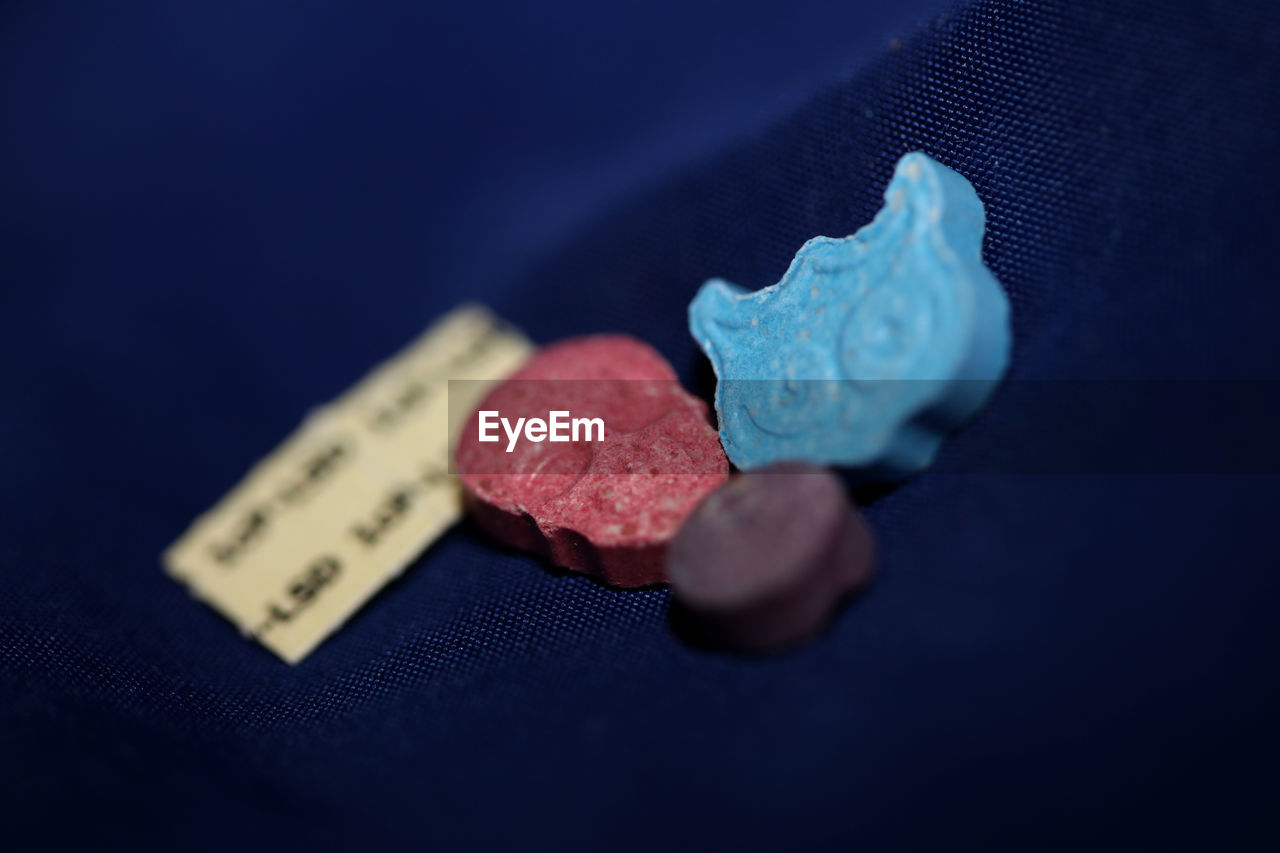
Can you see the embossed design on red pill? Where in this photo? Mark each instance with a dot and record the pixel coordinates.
(608, 503)
(763, 562)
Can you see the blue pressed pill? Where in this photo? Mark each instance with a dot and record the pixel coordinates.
(872, 347)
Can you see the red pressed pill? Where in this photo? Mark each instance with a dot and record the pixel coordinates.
(604, 500)
(762, 563)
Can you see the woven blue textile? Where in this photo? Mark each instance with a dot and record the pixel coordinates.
(214, 216)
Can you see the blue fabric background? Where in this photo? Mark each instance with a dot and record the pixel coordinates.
(216, 215)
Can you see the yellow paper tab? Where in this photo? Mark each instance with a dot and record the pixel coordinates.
(347, 502)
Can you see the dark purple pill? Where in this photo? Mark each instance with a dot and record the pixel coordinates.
(763, 561)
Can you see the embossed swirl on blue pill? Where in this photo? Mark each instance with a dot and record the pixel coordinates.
(872, 347)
